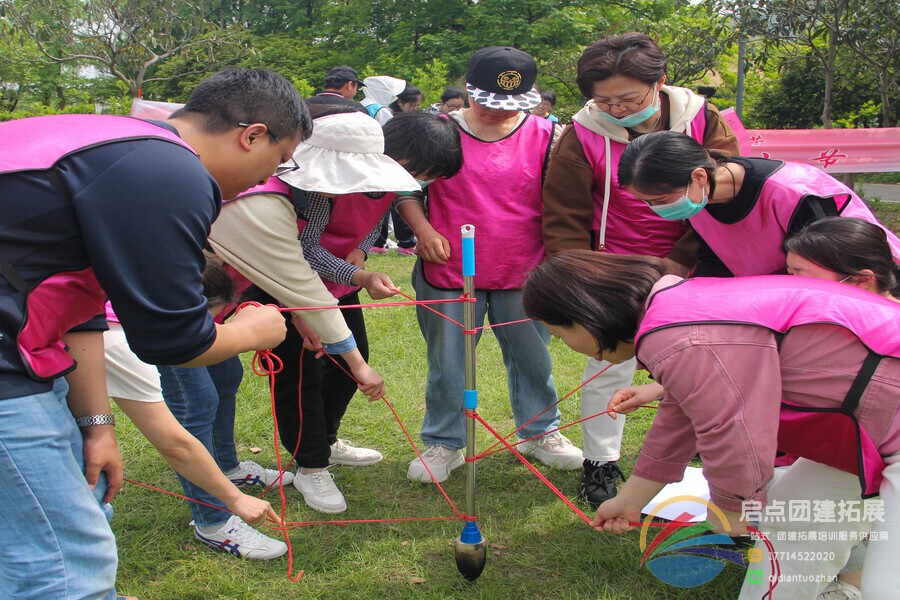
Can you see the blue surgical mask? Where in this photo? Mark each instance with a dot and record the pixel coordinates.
(683, 208)
(634, 118)
(423, 183)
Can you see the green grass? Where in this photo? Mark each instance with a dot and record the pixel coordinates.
(888, 213)
(538, 547)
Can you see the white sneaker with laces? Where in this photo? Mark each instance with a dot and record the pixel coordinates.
(838, 590)
(249, 474)
(241, 540)
(554, 450)
(440, 460)
(320, 492)
(342, 453)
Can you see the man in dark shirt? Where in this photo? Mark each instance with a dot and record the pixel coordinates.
(124, 214)
(341, 86)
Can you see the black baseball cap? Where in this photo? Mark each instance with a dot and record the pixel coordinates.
(503, 78)
(341, 75)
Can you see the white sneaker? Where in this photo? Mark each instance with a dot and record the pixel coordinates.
(554, 450)
(838, 590)
(440, 460)
(238, 538)
(343, 453)
(249, 474)
(320, 493)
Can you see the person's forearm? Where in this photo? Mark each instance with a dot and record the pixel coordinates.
(231, 339)
(637, 491)
(87, 396)
(87, 383)
(179, 448)
(354, 359)
(413, 212)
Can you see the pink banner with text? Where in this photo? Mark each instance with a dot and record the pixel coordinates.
(833, 150)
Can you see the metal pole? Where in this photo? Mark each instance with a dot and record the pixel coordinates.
(471, 550)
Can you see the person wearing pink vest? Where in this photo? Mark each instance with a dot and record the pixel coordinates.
(97, 206)
(854, 252)
(498, 190)
(741, 208)
(256, 234)
(729, 352)
(623, 78)
(348, 186)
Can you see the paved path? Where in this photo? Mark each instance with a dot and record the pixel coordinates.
(886, 192)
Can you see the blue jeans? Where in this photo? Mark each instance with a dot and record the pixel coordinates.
(525, 355)
(203, 401)
(58, 542)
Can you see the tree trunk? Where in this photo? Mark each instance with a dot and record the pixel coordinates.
(885, 99)
(829, 80)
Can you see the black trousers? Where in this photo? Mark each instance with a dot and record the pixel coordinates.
(312, 395)
(403, 232)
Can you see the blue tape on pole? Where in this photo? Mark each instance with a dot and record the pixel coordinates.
(471, 397)
(468, 257)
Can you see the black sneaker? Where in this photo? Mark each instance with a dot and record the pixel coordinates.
(598, 484)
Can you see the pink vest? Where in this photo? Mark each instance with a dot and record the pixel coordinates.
(41, 142)
(353, 216)
(752, 246)
(831, 436)
(499, 191)
(631, 227)
(272, 186)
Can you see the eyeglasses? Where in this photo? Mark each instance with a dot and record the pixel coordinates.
(627, 105)
(285, 168)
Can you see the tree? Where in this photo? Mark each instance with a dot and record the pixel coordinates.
(817, 29)
(694, 38)
(874, 36)
(127, 38)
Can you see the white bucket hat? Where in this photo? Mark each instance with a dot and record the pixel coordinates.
(383, 89)
(345, 155)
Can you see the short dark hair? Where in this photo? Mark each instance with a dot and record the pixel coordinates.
(218, 287)
(847, 245)
(451, 93)
(236, 95)
(549, 97)
(604, 293)
(428, 144)
(661, 162)
(631, 54)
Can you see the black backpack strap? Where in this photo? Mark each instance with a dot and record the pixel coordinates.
(854, 395)
(11, 275)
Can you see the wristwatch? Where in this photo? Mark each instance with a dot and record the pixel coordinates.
(95, 420)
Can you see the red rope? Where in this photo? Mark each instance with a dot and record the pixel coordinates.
(266, 363)
(538, 474)
(488, 452)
